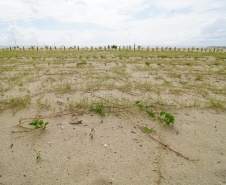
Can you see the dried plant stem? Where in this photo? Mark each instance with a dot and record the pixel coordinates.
(167, 146)
(160, 161)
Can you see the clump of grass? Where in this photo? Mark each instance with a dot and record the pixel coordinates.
(198, 78)
(216, 104)
(99, 109)
(145, 129)
(68, 87)
(163, 56)
(18, 103)
(81, 63)
(188, 64)
(21, 83)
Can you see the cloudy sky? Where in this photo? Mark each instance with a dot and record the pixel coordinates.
(120, 22)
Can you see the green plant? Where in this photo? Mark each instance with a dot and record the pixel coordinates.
(147, 130)
(198, 78)
(39, 124)
(99, 109)
(91, 135)
(68, 87)
(21, 83)
(81, 63)
(147, 63)
(139, 105)
(38, 155)
(188, 64)
(18, 103)
(167, 118)
(163, 56)
(150, 114)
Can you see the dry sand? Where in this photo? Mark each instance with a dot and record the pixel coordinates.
(119, 152)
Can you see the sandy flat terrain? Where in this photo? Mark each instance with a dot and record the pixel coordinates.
(98, 103)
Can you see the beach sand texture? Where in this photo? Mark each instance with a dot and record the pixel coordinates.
(96, 103)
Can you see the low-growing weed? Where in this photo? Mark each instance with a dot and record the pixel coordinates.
(146, 107)
(21, 83)
(147, 130)
(150, 114)
(198, 78)
(99, 109)
(39, 124)
(188, 64)
(163, 56)
(38, 155)
(167, 118)
(68, 87)
(91, 135)
(18, 103)
(81, 63)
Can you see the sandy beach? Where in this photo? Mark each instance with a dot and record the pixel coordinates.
(105, 126)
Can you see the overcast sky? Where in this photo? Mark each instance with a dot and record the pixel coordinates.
(120, 22)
